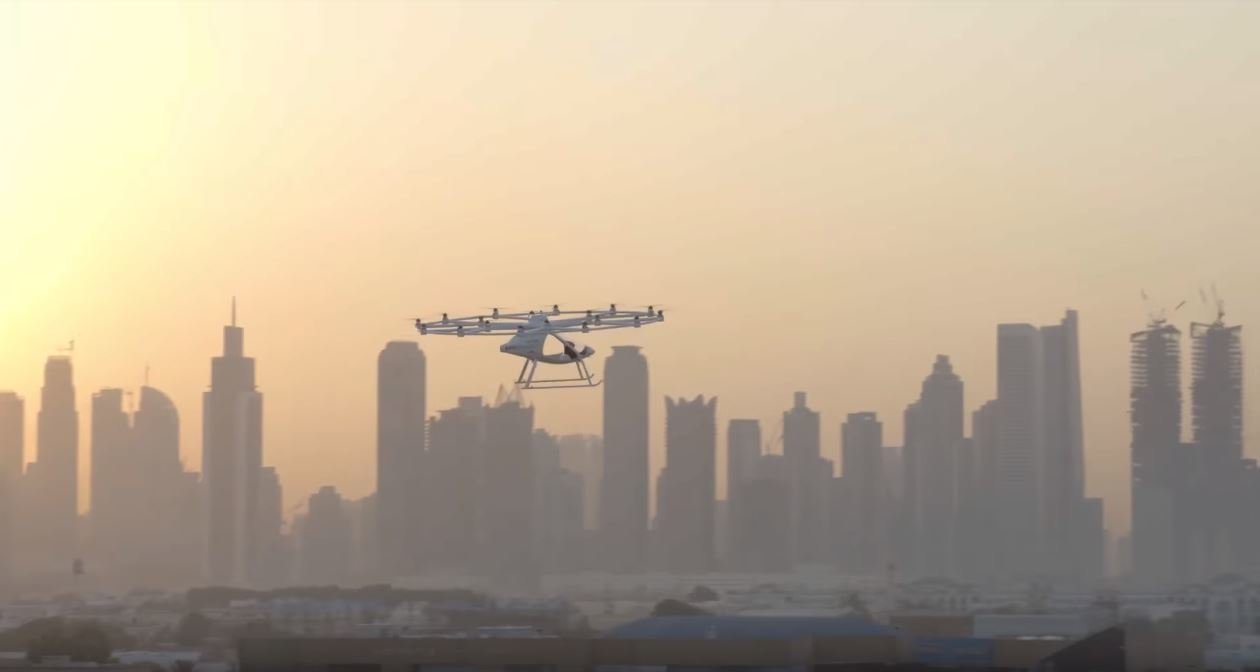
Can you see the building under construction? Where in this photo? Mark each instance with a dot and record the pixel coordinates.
(1158, 457)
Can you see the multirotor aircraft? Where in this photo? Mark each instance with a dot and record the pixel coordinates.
(530, 331)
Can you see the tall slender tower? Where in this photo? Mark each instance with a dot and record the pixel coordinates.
(1019, 436)
(934, 430)
(624, 489)
(326, 546)
(12, 424)
(862, 544)
(1218, 430)
(400, 453)
(1066, 518)
(507, 544)
(743, 450)
(743, 453)
(57, 464)
(811, 476)
(686, 502)
(232, 462)
(1157, 469)
(113, 469)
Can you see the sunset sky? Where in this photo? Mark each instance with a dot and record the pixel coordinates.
(826, 195)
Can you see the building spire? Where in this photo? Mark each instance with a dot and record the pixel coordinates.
(234, 311)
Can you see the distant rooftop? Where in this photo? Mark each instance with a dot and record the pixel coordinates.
(747, 627)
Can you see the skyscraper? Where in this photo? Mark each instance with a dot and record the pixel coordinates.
(453, 485)
(12, 424)
(232, 462)
(583, 454)
(56, 470)
(686, 490)
(325, 545)
(170, 514)
(861, 543)
(273, 554)
(114, 470)
(934, 428)
(761, 535)
(1217, 392)
(743, 450)
(1017, 490)
(1064, 509)
(12, 434)
(811, 477)
(558, 523)
(986, 551)
(624, 489)
(1160, 469)
(507, 547)
(400, 453)
(1218, 444)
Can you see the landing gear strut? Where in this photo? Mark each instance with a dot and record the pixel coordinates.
(526, 380)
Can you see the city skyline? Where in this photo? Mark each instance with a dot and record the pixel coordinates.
(862, 186)
(831, 454)
(1002, 502)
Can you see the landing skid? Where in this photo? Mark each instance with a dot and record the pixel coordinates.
(526, 380)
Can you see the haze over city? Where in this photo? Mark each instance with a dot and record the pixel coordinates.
(958, 370)
(826, 196)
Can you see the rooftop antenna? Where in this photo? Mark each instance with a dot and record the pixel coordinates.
(234, 311)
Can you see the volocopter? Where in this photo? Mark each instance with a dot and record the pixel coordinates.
(531, 331)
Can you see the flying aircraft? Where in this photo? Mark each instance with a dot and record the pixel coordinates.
(530, 333)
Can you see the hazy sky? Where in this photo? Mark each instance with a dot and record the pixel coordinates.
(826, 194)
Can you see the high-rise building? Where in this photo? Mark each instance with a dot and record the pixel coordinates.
(686, 489)
(114, 472)
(1219, 520)
(232, 455)
(761, 525)
(986, 544)
(400, 453)
(1065, 513)
(453, 485)
(861, 543)
(54, 502)
(325, 541)
(168, 522)
(12, 434)
(12, 440)
(743, 450)
(1159, 468)
(811, 478)
(1217, 393)
(558, 522)
(583, 454)
(507, 544)
(273, 557)
(934, 429)
(624, 488)
(1017, 489)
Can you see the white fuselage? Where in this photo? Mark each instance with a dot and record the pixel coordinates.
(530, 344)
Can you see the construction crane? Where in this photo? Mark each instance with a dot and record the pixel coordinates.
(1157, 317)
